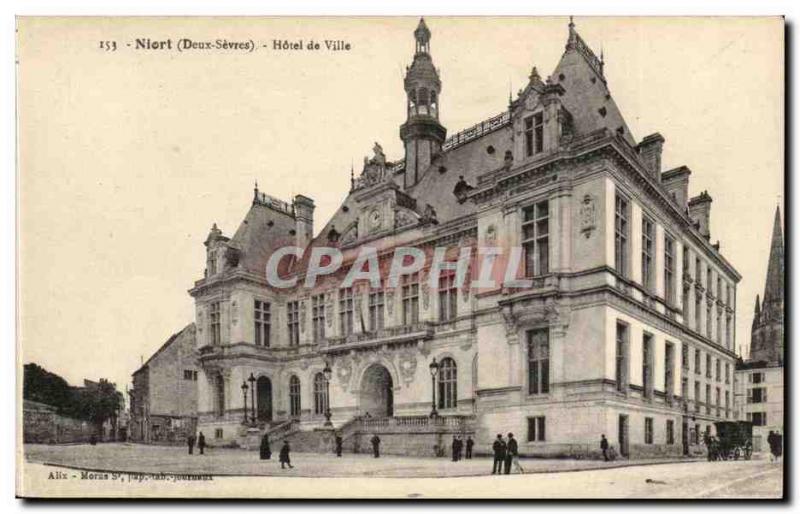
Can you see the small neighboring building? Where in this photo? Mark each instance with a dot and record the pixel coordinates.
(164, 395)
(759, 379)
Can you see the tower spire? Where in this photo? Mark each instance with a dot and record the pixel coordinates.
(773, 290)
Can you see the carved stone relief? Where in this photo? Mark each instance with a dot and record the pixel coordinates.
(588, 215)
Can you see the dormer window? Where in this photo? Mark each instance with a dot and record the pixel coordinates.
(534, 134)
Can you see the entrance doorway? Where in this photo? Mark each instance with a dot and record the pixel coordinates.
(622, 436)
(377, 392)
(264, 399)
(685, 437)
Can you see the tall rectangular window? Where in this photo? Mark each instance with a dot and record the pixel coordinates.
(668, 370)
(697, 362)
(718, 335)
(647, 366)
(318, 317)
(718, 401)
(648, 247)
(622, 357)
(263, 321)
(448, 296)
(709, 318)
(708, 365)
(697, 399)
(685, 356)
(534, 134)
(536, 238)
(728, 342)
(670, 431)
(669, 270)
(727, 372)
(757, 395)
(410, 291)
(685, 260)
(648, 430)
(727, 404)
(698, 310)
(718, 370)
(346, 311)
(536, 426)
(758, 419)
(708, 399)
(293, 322)
(529, 136)
(684, 388)
(539, 361)
(376, 300)
(214, 323)
(621, 216)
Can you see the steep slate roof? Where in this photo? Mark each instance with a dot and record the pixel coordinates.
(586, 90)
(262, 231)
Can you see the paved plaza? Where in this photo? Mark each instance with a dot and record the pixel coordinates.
(544, 478)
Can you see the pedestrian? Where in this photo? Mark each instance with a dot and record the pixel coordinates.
(265, 452)
(376, 445)
(771, 443)
(284, 455)
(512, 455)
(190, 441)
(201, 443)
(604, 446)
(339, 443)
(93, 439)
(470, 444)
(454, 448)
(499, 449)
(459, 448)
(778, 445)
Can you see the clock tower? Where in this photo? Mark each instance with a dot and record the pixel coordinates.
(422, 134)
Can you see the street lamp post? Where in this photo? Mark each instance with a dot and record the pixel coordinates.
(244, 400)
(434, 368)
(252, 381)
(328, 372)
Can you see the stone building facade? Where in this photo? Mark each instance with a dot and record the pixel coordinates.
(759, 379)
(626, 327)
(163, 401)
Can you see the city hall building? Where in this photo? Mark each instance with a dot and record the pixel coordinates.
(625, 328)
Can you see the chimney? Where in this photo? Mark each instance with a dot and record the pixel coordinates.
(650, 154)
(676, 183)
(304, 216)
(700, 213)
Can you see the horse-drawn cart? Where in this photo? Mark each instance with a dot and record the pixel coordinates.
(734, 440)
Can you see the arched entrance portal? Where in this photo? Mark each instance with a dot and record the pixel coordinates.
(377, 395)
(264, 399)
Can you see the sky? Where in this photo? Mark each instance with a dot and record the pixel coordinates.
(126, 158)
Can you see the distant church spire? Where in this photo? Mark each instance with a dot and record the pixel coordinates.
(773, 290)
(767, 339)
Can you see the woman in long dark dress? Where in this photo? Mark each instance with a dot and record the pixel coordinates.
(266, 452)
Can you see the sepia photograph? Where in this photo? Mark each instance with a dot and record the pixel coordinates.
(448, 257)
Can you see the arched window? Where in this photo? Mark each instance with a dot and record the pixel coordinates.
(447, 384)
(220, 396)
(320, 394)
(294, 396)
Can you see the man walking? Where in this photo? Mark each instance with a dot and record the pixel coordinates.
(604, 446)
(512, 455)
(470, 444)
(376, 445)
(459, 447)
(201, 443)
(454, 448)
(190, 441)
(499, 449)
(284, 455)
